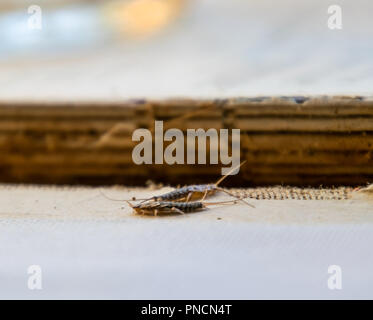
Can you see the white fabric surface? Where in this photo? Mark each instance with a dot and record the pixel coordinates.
(90, 247)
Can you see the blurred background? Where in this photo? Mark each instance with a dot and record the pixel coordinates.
(107, 50)
(78, 77)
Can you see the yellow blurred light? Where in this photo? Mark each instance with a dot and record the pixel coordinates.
(141, 17)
